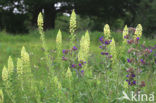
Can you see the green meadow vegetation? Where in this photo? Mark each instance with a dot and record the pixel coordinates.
(77, 67)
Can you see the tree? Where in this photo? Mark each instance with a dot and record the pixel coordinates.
(50, 11)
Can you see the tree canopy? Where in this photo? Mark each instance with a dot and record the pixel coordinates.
(23, 13)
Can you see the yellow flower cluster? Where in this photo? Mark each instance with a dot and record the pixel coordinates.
(84, 47)
(107, 31)
(68, 73)
(19, 67)
(113, 50)
(138, 31)
(1, 96)
(25, 56)
(59, 39)
(57, 83)
(5, 74)
(125, 32)
(10, 66)
(40, 22)
(59, 42)
(72, 26)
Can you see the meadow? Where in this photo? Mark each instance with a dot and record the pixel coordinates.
(77, 67)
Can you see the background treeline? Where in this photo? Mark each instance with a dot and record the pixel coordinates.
(20, 16)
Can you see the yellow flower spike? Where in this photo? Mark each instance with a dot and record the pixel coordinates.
(1, 96)
(25, 56)
(40, 22)
(138, 31)
(59, 38)
(25, 61)
(4, 74)
(84, 47)
(107, 31)
(87, 42)
(19, 67)
(57, 83)
(125, 32)
(72, 26)
(10, 66)
(68, 73)
(113, 50)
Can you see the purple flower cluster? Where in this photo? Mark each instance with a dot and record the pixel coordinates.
(68, 51)
(104, 46)
(131, 77)
(79, 65)
(104, 42)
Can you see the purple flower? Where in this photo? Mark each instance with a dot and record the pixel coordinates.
(100, 47)
(151, 50)
(74, 48)
(142, 61)
(137, 38)
(82, 71)
(65, 51)
(101, 39)
(133, 75)
(73, 65)
(128, 60)
(80, 65)
(107, 42)
(103, 53)
(134, 82)
(127, 76)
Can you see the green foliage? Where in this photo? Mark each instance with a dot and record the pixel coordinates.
(31, 83)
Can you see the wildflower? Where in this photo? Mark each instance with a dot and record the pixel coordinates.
(138, 31)
(101, 39)
(134, 82)
(137, 38)
(80, 65)
(103, 53)
(107, 31)
(73, 65)
(129, 60)
(133, 75)
(108, 42)
(65, 51)
(142, 61)
(5, 74)
(82, 71)
(72, 26)
(69, 73)
(125, 32)
(74, 48)
(82, 62)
